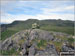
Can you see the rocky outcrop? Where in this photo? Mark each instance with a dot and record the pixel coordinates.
(48, 51)
(66, 48)
(36, 33)
(24, 42)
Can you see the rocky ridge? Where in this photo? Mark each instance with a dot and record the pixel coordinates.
(34, 42)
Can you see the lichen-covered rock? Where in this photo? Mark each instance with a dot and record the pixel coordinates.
(7, 44)
(36, 33)
(48, 51)
(26, 42)
(67, 48)
(32, 51)
(23, 51)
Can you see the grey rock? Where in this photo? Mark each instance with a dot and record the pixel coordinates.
(24, 51)
(53, 55)
(67, 48)
(31, 51)
(29, 35)
(50, 50)
(7, 44)
(57, 39)
(36, 33)
(0, 44)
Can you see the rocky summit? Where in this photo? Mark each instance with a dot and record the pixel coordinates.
(35, 42)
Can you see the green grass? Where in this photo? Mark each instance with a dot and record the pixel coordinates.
(58, 45)
(68, 30)
(42, 43)
(61, 37)
(8, 52)
(7, 34)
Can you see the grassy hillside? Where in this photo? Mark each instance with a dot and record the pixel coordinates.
(7, 34)
(49, 25)
(68, 30)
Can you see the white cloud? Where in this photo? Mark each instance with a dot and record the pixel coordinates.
(47, 13)
(59, 9)
(57, 16)
(70, 8)
(10, 18)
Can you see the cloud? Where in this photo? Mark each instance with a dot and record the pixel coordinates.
(70, 8)
(10, 18)
(23, 10)
(59, 9)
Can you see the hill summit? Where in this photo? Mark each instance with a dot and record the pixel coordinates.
(36, 42)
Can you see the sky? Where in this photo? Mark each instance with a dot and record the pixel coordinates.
(12, 10)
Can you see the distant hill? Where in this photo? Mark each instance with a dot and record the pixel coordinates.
(27, 24)
(65, 26)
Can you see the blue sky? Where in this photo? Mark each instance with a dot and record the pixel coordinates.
(23, 10)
